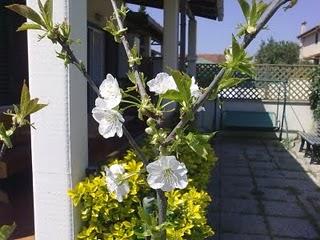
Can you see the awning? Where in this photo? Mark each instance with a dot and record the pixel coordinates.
(212, 9)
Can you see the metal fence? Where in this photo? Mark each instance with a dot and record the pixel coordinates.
(267, 84)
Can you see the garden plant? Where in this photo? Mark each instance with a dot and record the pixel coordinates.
(19, 118)
(158, 189)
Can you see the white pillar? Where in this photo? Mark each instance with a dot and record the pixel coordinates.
(170, 34)
(192, 47)
(59, 143)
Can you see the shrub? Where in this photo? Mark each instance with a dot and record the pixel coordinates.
(315, 94)
(104, 217)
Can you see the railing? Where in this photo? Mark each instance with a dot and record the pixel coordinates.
(298, 78)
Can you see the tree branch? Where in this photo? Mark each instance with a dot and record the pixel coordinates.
(141, 88)
(272, 9)
(74, 60)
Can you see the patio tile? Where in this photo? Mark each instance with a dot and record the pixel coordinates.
(236, 180)
(242, 223)
(284, 209)
(271, 182)
(277, 195)
(238, 171)
(292, 227)
(237, 192)
(232, 236)
(262, 173)
(262, 165)
(246, 206)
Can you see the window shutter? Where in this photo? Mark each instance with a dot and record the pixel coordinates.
(4, 54)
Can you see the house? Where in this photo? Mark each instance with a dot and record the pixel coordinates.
(60, 141)
(310, 43)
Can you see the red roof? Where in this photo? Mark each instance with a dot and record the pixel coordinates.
(211, 58)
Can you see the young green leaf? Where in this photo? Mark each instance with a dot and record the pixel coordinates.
(183, 82)
(6, 231)
(48, 8)
(4, 137)
(27, 12)
(29, 26)
(245, 7)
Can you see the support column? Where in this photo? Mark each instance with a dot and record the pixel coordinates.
(183, 13)
(170, 35)
(192, 47)
(60, 141)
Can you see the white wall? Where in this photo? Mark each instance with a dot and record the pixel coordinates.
(60, 140)
(299, 116)
(309, 46)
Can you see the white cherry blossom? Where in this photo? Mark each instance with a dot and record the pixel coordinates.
(167, 173)
(196, 92)
(162, 83)
(194, 89)
(110, 122)
(115, 181)
(110, 93)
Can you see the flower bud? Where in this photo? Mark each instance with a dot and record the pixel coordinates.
(151, 122)
(149, 130)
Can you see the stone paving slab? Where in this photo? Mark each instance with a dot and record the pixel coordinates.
(233, 205)
(242, 223)
(283, 209)
(262, 173)
(232, 236)
(277, 195)
(262, 192)
(291, 227)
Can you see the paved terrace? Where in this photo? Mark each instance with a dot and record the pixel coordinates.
(263, 192)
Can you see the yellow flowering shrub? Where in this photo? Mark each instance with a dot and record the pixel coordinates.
(105, 218)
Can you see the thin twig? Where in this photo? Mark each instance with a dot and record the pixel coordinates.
(141, 88)
(74, 60)
(134, 144)
(2, 151)
(272, 9)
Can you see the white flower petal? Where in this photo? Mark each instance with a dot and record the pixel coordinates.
(114, 183)
(110, 122)
(162, 83)
(194, 88)
(110, 92)
(201, 109)
(167, 173)
(155, 181)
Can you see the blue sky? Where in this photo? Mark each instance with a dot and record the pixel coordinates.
(214, 36)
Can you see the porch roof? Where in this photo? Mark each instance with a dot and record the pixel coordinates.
(212, 9)
(144, 24)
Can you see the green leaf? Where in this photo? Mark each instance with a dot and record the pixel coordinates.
(27, 26)
(183, 82)
(173, 95)
(24, 98)
(6, 231)
(48, 8)
(197, 142)
(5, 137)
(245, 7)
(27, 12)
(27, 106)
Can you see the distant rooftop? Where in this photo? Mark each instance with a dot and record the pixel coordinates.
(310, 31)
(210, 58)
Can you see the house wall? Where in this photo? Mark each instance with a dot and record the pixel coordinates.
(309, 46)
(299, 116)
